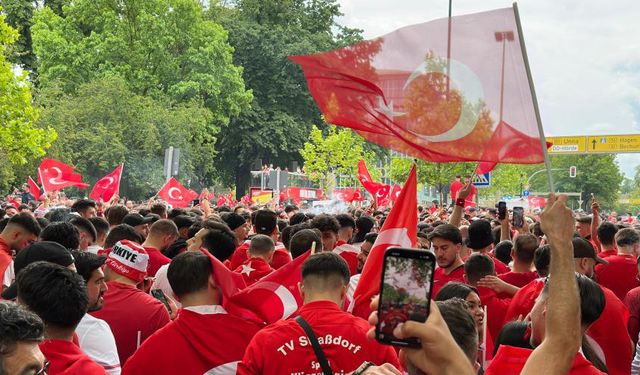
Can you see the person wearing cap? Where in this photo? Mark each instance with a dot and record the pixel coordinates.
(87, 232)
(21, 230)
(162, 234)
(132, 314)
(238, 225)
(481, 241)
(139, 223)
(203, 338)
(59, 297)
(46, 251)
(94, 335)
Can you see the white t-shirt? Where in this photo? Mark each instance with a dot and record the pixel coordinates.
(96, 340)
(162, 282)
(9, 275)
(94, 249)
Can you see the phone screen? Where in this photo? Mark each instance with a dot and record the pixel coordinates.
(518, 217)
(502, 210)
(405, 292)
(159, 295)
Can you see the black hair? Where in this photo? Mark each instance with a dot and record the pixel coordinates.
(297, 218)
(55, 293)
(542, 259)
(502, 251)
(625, 237)
(175, 212)
(82, 204)
(121, 232)
(525, 247)
(461, 325)
(58, 214)
(282, 224)
(324, 223)
(478, 266)
(158, 209)
(285, 236)
(219, 240)
(454, 289)
(144, 212)
(497, 234)
(62, 232)
(327, 266)
(3, 223)
(592, 300)
(17, 325)
(513, 334)
(42, 222)
(101, 225)
(265, 221)
(115, 214)
(302, 240)
(26, 221)
(364, 225)
(183, 221)
(189, 272)
(290, 208)
(346, 221)
(536, 229)
(607, 233)
(371, 238)
(87, 262)
(84, 225)
(446, 232)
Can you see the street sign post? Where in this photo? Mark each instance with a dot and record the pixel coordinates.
(595, 144)
(567, 145)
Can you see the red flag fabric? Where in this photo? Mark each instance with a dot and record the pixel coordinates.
(401, 92)
(399, 229)
(380, 192)
(107, 186)
(395, 193)
(274, 297)
(34, 189)
(55, 175)
(226, 280)
(357, 196)
(175, 194)
(221, 201)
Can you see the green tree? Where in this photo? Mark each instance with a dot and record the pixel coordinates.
(105, 124)
(335, 154)
(20, 140)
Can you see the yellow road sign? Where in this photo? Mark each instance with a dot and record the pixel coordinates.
(567, 145)
(613, 143)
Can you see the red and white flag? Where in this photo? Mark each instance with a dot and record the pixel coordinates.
(55, 175)
(107, 186)
(274, 297)
(404, 91)
(175, 194)
(395, 193)
(380, 192)
(34, 189)
(399, 229)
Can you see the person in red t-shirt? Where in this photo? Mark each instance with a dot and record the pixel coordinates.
(21, 230)
(58, 296)
(284, 347)
(524, 248)
(446, 242)
(621, 274)
(204, 338)
(257, 266)
(347, 251)
(161, 235)
(22, 331)
(606, 236)
(132, 314)
(481, 241)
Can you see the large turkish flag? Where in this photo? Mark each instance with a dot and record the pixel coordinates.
(55, 175)
(175, 194)
(107, 186)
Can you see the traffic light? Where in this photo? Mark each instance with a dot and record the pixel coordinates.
(572, 171)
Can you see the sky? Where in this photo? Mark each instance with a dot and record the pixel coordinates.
(584, 56)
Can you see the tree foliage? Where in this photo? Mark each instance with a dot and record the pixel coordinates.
(20, 140)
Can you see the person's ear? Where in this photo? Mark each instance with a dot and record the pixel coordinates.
(301, 289)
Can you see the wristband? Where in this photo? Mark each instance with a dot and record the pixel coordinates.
(363, 367)
(460, 202)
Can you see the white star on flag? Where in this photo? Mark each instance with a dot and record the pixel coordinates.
(387, 109)
(246, 269)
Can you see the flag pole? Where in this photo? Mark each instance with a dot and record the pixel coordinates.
(44, 190)
(543, 141)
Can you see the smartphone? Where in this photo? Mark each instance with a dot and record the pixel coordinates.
(195, 202)
(502, 210)
(518, 217)
(405, 292)
(159, 295)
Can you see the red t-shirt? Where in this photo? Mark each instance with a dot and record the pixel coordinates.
(441, 279)
(208, 341)
(253, 270)
(518, 279)
(130, 311)
(498, 266)
(283, 347)
(6, 256)
(620, 275)
(68, 359)
(607, 253)
(510, 360)
(350, 255)
(632, 301)
(522, 303)
(156, 260)
(496, 309)
(280, 257)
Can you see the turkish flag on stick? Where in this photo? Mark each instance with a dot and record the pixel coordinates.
(34, 189)
(397, 90)
(55, 175)
(399, 229)
(107, 186)
(175, 194)
(380, 192)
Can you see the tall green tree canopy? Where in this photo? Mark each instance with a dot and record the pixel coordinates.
(20, 140)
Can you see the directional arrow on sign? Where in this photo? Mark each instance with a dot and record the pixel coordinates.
(594, 144)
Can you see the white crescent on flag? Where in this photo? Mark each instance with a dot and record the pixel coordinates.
(227, 368)
(170, 192)
(106, 182)
(393, 237)
(56, 179)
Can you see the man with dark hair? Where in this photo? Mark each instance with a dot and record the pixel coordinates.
(481, 241)
(329, 227)
(159, 209)
(264, 222)
(119, 233)
(102, 229)
(62, 232)
(462, 327)
(88, 234)
(348, 252)
(183, 222)
(115, 215)
(541, 260)
(302, 241)
(523, 271)
(446, 241)
(132, 314)
(621, 273)
(260, 253)
(290, 210)
(20, 333)
(204, 338)
(284, 348)
(86, 208)
(298, 218)
(606, 236)
(21, 230)
(161, 235)
(59, 297)
(365, 249)
(139, 223)
(94, 335)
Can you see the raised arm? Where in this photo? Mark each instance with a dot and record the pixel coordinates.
(595, 222)
(458, 208)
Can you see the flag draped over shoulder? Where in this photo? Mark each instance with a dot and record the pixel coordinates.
(399, 229)
(401, 92)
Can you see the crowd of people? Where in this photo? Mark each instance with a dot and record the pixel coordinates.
(130, 288)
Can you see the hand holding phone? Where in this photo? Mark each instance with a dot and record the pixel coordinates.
(502, 210)
(405, 292)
